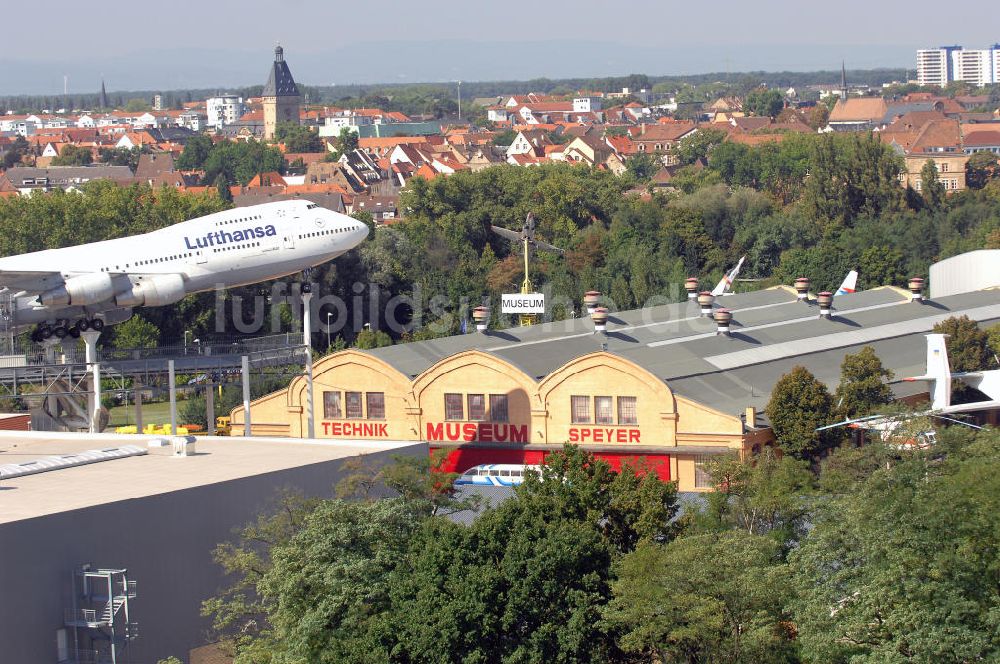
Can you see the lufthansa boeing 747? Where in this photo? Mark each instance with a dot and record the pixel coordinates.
(70, 290)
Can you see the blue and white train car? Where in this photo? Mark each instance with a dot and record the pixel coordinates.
(496, 474)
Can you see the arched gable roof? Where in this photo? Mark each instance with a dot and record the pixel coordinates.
(463, 359)
(604, 359)
(339, 359)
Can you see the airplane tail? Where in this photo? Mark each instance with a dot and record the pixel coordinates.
(938, 371)
(987, 382)
(849, 285)
(726, 284)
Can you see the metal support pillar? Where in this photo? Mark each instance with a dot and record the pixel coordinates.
(138, 405)
(210, 408)
(307, 341)
(246, 396)
(49, 346)
(173, 397)
(90, 338)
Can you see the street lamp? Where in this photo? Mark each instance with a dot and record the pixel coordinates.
(197, 342)
(329, 314)
(186, 333)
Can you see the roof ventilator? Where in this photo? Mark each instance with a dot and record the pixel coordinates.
(705, 300)
(802, 289)
(916, 286)
(691, 284)
(723, 317)
(825, 302)
(481, 315)
(600, 318)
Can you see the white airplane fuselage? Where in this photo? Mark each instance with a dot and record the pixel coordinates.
(231, 248)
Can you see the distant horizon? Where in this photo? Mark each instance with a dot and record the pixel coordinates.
(210, 69)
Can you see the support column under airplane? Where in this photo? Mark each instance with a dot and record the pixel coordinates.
(90, 338)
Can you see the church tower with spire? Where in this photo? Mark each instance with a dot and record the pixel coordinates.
(103, 101)
(843, 79)
(281, 95)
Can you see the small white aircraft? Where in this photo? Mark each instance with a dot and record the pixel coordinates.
(939, 376)
(725, 286)
(849, 285)
(70, 290)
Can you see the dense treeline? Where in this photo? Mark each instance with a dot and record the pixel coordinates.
(402, 96)
(861, 562)
(811, 205)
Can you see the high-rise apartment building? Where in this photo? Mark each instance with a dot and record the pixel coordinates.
(941, 66)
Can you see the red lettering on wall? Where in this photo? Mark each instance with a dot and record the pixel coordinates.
(595, 435)
(356, 429)
(470, 432)
(519, 434)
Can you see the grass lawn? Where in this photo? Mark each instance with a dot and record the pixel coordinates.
(153, 412)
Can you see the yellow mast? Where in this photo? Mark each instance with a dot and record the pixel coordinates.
(527, 287)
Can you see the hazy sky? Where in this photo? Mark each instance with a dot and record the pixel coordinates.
(229, 42)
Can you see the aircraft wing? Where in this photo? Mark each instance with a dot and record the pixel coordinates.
(970, 407)
(548, 247)
(30, 281)
(987, 382)
(506, 233)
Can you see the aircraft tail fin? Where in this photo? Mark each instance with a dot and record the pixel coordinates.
(938, 371)
(849, 285)
(726, 284)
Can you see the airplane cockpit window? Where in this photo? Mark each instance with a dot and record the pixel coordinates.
(312, 206)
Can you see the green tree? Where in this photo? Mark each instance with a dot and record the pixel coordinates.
(136, 332)
(643, 166)
(968, 345)
(239, 161)
(298, 138)
(764, 103)
(137, 105)
(699, 145)
(863, 389)
(980, 169)
(715, 597)
(765, 494)
(195, 153)
(15, 152)
(882, 266)
(931, 188)
(889, 574)
(222, 187)
(799, 405)
(123, 156)
(368, 338)
(73, 155)
(346, 141)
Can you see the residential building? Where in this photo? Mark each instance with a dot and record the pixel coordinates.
(27, 179)
(940, 66)
(280, 95)
(934, 65)
(224, 110)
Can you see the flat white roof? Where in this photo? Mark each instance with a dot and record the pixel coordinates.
(217, 459)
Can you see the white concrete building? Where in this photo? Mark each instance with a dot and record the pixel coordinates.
(224, 110)
(940, 66)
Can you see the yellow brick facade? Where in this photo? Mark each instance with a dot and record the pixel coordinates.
(600, 401)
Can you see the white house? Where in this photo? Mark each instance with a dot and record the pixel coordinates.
(85, 121)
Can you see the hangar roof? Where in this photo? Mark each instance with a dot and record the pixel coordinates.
(218, 459)
(771, 333)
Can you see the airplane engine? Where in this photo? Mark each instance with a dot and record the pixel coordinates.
(81, 290)
(153, 292)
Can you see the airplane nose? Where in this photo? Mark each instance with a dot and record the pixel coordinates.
(362, 231)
